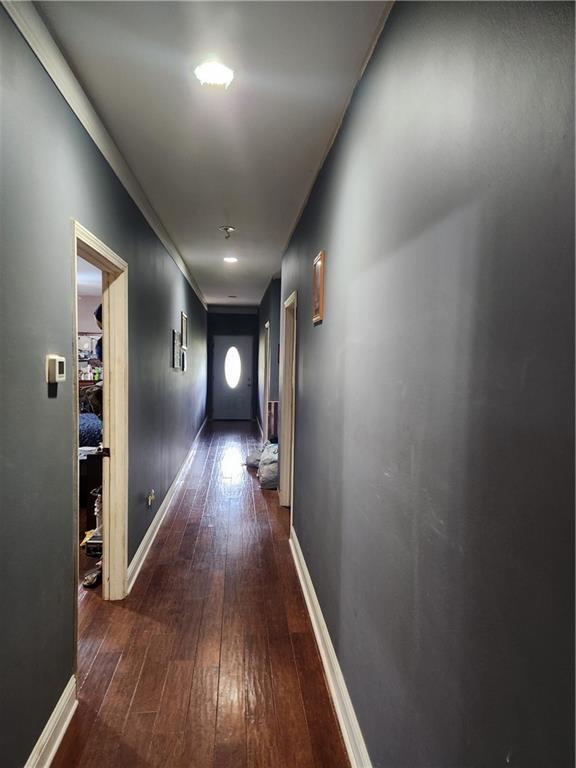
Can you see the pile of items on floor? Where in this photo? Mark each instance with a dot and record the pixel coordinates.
(266, 461)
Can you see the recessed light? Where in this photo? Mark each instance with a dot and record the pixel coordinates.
(230, 259)
(214, 73)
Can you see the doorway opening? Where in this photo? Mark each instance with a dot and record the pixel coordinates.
(288, 404)
(100, 375)
(90, 405)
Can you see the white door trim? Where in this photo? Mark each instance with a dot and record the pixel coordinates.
(288, 403)
(115, 402)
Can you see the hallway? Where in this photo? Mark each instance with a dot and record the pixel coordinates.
(211, 660)
(351, 224)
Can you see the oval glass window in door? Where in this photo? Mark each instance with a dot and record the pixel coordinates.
(232, 367)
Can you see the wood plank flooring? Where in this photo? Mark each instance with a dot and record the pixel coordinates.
(211, 661)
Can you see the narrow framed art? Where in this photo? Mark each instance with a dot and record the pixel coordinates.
(318, 288)
(176, 350)
(183, 330)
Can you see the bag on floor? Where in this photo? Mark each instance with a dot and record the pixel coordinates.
(269, 454)
(253, 459)
(268, 474)
(268, 469)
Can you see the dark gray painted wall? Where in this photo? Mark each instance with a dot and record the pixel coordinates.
(239, 323)
(434, 434)
(269, 311)
(50, 173)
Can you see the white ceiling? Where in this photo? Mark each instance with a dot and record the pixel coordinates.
(206, 157)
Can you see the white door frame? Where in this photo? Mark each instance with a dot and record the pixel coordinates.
(266, 425)
(115, 409)
(288, 404)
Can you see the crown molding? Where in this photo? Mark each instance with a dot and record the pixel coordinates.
(387, 7)
(36, 34)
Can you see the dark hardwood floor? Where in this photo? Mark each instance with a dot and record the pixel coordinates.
(211, 660)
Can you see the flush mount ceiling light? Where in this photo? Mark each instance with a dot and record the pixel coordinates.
(230, 259)
(214, 73)
(227, 231)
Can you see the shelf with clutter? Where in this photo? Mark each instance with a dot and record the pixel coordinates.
(89, 364)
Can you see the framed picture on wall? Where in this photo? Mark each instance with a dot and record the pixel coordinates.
(184, 330)
(176, 350)
(318, 288)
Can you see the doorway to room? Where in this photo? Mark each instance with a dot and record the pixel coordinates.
(232, 371)
(288, 403)
(90, 405)
(100, 374)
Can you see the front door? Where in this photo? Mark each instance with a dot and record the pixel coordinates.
(232, 377)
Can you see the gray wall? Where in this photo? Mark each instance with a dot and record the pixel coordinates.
(269, 311)
(434, 427)
(51, 172)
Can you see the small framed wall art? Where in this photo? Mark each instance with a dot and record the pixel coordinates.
(176, 350)
(318, 288)
(183, 330)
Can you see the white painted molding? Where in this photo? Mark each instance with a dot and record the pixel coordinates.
(142, 552)
(54, 730)
(88, 238)
(34, 31)
(377, 33)
(357, 752)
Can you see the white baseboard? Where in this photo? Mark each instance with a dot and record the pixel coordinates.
(54, 730)
(142, 552)
(357, 752)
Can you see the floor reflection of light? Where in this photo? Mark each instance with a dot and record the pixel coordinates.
(231, 465)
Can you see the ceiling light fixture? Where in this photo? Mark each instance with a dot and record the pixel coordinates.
(230, 259)
(214, 73)
(227, 231)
